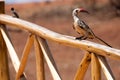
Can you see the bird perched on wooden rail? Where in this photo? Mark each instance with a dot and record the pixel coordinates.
(15, 13)
(82, 28)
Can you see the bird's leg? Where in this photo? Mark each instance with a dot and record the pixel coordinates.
(73, 27)
(84, 38)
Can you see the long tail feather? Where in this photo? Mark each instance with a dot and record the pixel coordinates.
(103, 41)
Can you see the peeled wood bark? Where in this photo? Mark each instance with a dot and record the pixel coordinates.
(83, 67)
(63, 39)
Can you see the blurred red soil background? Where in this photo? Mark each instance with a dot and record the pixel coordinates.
(57, 16)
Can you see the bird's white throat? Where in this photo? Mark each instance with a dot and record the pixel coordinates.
(75, 18)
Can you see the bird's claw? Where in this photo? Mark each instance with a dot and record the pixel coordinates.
(81, 38)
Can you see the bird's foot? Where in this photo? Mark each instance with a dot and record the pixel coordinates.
(81, 38)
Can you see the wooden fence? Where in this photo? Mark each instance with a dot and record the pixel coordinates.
(96, 53)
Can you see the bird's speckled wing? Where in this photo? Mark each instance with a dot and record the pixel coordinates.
(84, 26)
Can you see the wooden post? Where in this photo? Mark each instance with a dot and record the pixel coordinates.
(96, 69)
(83, 67)
(2, 6)
(39, 60)
(4, 71)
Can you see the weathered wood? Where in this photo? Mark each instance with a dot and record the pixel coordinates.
(83, 67)
(106, 68)
(63, 39)
(49, 59)
(96, 69)
(11, 50)
(2, 6)
(39, 60)
(25, 54)
(4, 70)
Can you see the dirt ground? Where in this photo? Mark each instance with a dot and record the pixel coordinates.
(104, 25)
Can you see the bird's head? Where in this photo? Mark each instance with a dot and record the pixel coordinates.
(78, 10)
(12, 9)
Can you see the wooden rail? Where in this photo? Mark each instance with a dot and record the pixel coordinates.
(96, 53)
(63, 39)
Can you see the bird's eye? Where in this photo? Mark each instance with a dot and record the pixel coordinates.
(77, 11)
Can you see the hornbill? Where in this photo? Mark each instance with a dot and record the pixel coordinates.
(82, 28)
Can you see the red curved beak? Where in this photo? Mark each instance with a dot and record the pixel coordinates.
(83, 10)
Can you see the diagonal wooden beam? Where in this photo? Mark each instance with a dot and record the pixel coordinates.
(49, 59)
(25, 54)
(106, 68)
(83, 67)
(12, 52)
